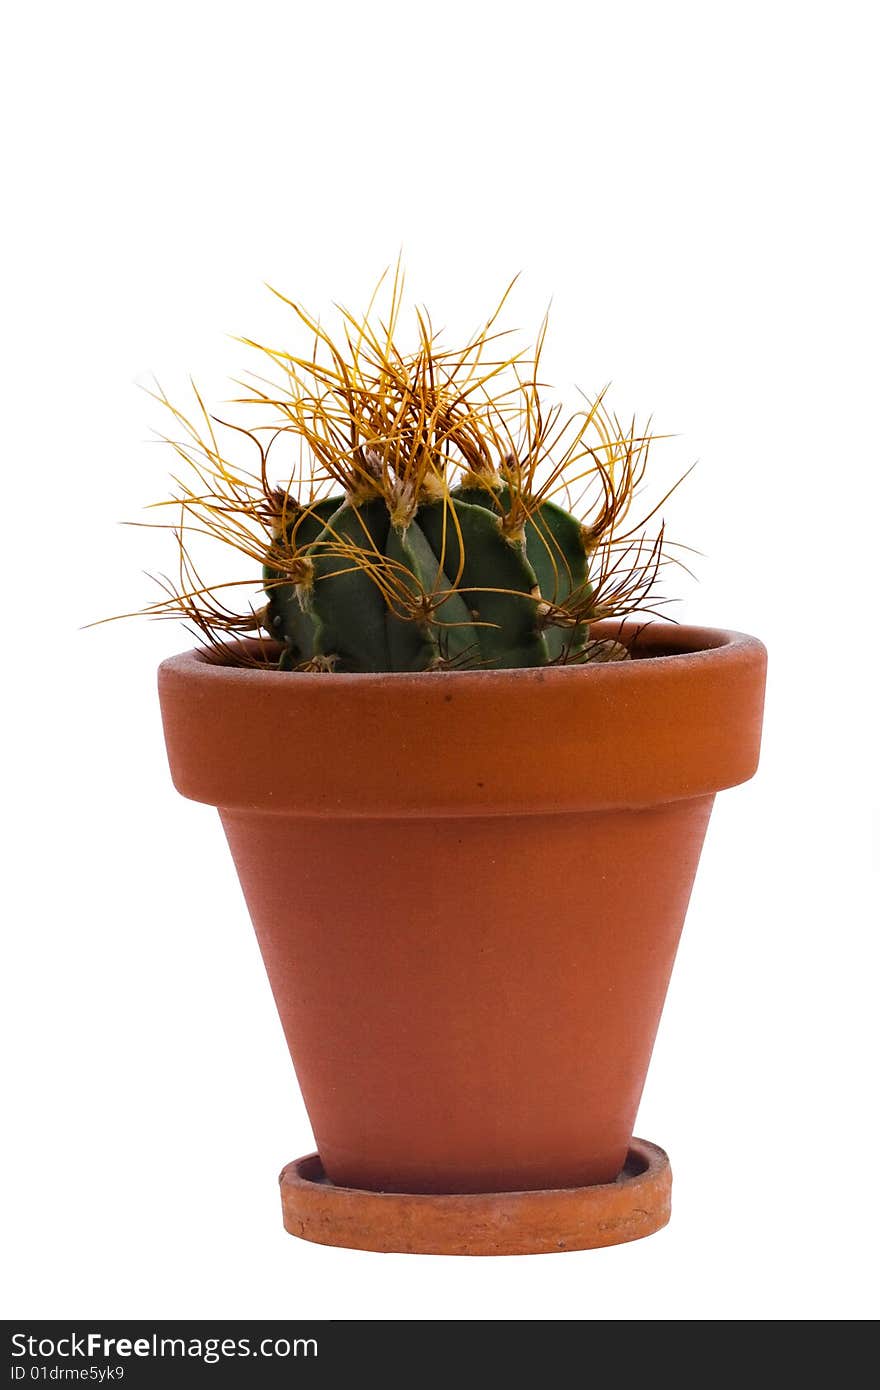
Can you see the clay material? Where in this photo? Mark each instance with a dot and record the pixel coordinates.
(468, 889)
(636, 1204)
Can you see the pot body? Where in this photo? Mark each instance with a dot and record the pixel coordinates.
(468, 890)
(470, 1004)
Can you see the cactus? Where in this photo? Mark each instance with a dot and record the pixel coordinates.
(429, 531)
(518, 600)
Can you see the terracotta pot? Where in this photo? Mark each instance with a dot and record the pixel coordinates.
(468, 889)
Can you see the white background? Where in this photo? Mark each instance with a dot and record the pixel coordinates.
(695, 187)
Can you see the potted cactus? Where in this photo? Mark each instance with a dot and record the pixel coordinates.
(464, 786)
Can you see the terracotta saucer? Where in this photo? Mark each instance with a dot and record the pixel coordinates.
(636, 1204)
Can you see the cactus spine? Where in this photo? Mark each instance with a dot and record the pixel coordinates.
(423, 528)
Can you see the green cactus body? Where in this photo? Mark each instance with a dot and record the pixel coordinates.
(497, 582)
(556, 551)
(451, 589)
(445, 634)
(338, 614)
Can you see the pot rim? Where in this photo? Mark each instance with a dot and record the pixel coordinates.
(655, 641)
(683, 719)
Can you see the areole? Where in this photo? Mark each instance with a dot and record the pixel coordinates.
(468, 888)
